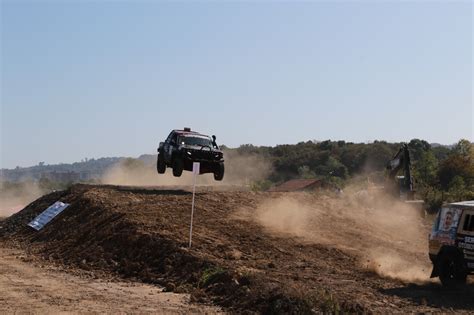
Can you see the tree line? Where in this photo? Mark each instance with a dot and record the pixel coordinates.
(441, 173)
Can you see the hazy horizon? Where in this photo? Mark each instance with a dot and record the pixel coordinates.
(95, 79)
(154, 153)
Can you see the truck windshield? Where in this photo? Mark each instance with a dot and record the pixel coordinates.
(193, 140)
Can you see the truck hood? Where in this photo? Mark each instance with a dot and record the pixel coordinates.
(198, 148)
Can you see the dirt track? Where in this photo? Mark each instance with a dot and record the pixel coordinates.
(28, 287)
(242, 259)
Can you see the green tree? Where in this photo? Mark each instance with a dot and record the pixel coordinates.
(440, 152)
(457, 183)
(261, 185)
(456, 189)
(433, 198)
(465, 148)
(354, 157)
(332, 167)
(305, 172)
(426, 168)
(456, 165)
(378, 154)
(418, 148)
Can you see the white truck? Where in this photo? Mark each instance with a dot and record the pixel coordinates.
(451, 243)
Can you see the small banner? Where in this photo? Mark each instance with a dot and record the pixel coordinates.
(47, 215)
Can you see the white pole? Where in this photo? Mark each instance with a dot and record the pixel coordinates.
(192, 209)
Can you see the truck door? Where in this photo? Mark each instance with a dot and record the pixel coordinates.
(465, 237)
(168, 146)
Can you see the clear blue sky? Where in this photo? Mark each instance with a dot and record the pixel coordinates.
(100, 78)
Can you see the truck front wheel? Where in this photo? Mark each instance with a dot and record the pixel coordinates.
(453, 272)
(160, 165)
(219, 172)
(178, 167)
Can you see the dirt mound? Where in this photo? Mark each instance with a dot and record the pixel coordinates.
(249, 253)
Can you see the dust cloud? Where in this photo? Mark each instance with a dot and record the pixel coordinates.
(391, 264)
(243, 169)
(240, 170)
(14, 197)
(140, 174)
(285, 215)
(388, 236)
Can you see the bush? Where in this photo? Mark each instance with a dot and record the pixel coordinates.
(261, 185)
(433, 199)
(213, 275)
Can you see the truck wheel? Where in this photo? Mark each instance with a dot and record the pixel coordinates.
(160, 165)
(219, 172)
(177, 167)
(452, 271)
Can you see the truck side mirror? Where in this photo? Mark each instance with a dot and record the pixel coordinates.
(214, 138)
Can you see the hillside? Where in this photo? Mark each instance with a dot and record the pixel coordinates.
(252, 251)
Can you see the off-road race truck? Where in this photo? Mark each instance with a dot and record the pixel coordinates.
(451, 243)
(183, 147)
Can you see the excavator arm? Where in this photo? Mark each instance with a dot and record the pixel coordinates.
(401, 161)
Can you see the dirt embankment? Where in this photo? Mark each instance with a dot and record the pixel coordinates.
(264, 252)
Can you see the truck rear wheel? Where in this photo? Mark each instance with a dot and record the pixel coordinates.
(219, 172)
(178, 167)
(160, 165)
(453, 272)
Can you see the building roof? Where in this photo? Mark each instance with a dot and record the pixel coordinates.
(469, 203)
(295, 185)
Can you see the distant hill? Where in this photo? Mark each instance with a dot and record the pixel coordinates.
(449, 146)
(85, 170)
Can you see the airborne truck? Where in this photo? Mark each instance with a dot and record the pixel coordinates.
(183, 147)
(451, 243)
